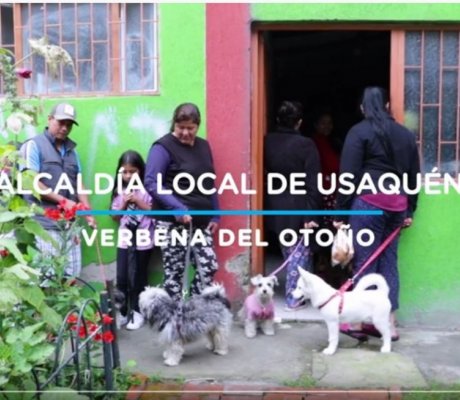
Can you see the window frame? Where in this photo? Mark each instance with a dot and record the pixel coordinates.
(114, 56)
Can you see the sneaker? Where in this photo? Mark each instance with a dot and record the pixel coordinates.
(136, 322)
(121, 320)
(294, 304)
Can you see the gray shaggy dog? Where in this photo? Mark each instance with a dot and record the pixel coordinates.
(184, 322)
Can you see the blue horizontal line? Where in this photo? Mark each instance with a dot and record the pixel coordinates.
(229, 212)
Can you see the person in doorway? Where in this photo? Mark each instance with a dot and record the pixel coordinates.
(133, 259)
(287, 152)
(329, 158)
(182, 151)
(376, 146)
(54, 153)
(323, 127)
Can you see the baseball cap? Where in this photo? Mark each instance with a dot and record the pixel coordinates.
(63, 111)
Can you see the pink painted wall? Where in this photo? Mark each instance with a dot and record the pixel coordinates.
(228, 119)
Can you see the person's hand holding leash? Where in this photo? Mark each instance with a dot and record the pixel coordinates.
(407, 222)
(310, 225)
(213, 226)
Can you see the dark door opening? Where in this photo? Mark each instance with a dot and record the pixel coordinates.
(324, 70)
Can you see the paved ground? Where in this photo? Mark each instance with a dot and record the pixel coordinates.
(293, 358)
(292, 361)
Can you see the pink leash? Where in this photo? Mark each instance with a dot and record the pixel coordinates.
(280, 268)
(368, 262)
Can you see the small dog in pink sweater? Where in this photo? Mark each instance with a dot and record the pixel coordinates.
(259, 308)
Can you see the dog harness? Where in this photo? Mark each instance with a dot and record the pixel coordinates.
(369, 261)
(340, 293)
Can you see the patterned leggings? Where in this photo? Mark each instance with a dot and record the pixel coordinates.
(202, 257)
(300, 258)
(382, 226)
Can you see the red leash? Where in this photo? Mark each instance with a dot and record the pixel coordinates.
(368, 262)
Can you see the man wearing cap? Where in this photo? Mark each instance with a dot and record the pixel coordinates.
(54, 153)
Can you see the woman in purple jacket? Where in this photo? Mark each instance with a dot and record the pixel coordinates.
(182, 151)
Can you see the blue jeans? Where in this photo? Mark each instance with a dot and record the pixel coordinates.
(382, 226)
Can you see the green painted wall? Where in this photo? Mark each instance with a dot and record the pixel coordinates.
(111, 125)
(430, 283)
(428, 256)
(355, 12)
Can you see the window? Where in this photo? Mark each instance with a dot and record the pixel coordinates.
(113, 46)
(431, 96)
(6, 37)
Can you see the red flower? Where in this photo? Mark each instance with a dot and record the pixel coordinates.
(108, 337)
(64, 212)
(72, 319)
(4, 253)
(24, 73)
(92, 327)
(53, 213)
(82, 207)
(82, 332)
(97, 337)
(62, 204)
(106, 319)
(69, 213)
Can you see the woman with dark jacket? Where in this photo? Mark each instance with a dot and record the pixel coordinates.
(375, 146)
(286, 152)
(182, 151)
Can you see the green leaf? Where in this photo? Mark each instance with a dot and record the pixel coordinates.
(36, 229)
(12, 336)
(8, 299)
(6, 52)
(23, 366)
(7, 227)
(41, 353)
(32, 252)
(50, 316)
(10, 245)
(28, 331)
(18, 204)
(3, 380)
(27, 178)
(37, 338)
(32, 295)
(7, 216)
(5, 351)
(23, 237)
(18, 271)
(6, 150)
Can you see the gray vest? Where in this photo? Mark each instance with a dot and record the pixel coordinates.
(53, 163)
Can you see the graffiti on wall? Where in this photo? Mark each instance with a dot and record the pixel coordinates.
(108, 129)
(149, 125)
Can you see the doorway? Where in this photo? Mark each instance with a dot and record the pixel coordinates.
(325, 70)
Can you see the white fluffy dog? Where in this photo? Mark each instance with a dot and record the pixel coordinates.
(359, 305)
(186, 321)
(259, 309)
